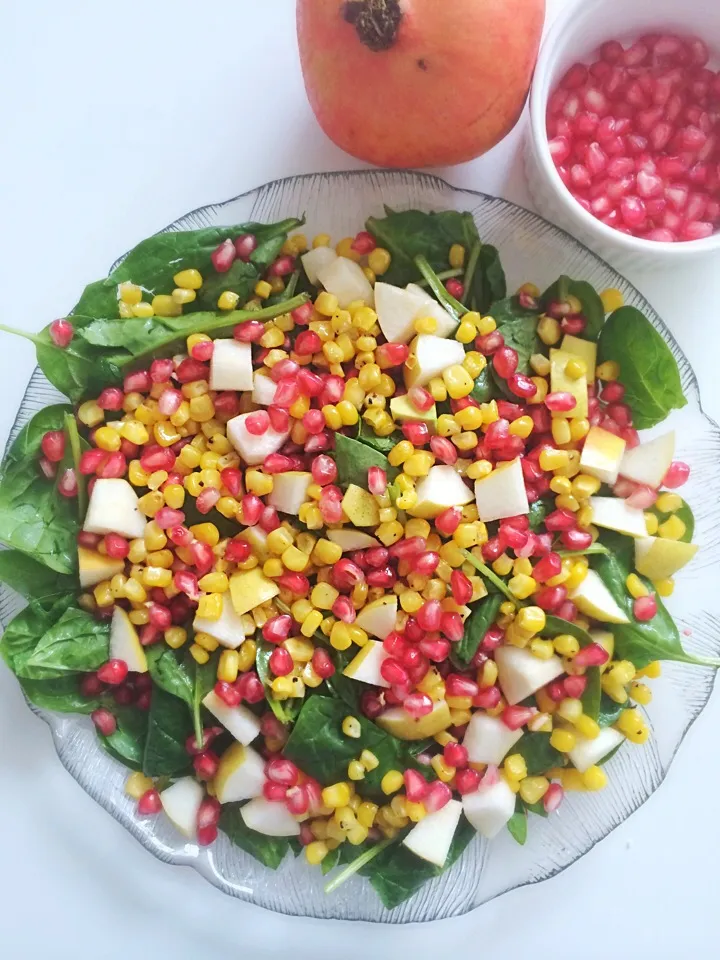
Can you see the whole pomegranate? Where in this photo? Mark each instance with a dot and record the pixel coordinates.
(413, 83)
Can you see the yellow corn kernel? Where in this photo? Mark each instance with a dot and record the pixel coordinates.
(137, 784)
(210, 606)
(103, 594)
(665, 587)
(540, 364)
(336, 795)
(134, 591)
(635, 587)
(202, 408)
(458, 381)
(515, 766)
(419, 463)
(228, 666)
(533, 789)
(579, 428)
(425, 325)
(612, 299)
(326, 304)
(323, 596)
(587, 727)
(548, 329)
(129, 293)
(551, 459)
(107, 439)
(456, 257)
(294, 559)
(351, 727)
(142, 309)
(541, 392)
(608, 371)
(640, 693)
(470, 419)
(279, 540)
(316, 851)
(576, 368)
(447, 425)
(154, 538)
(542, 649)
(594, 778)
(401, 452)
(214, 583)
(474, 363)
(246, 655)
(523, 427)
(668, 502)
(562, 740)
(379, 260)
(90, 413)
(479, 469)
(326, 552)
(466, 332)
(570, 709)
(164, 306)
(560, 430)
(192, 279)
(672, 529)
(355, 770)
(522, 586)
(651, 524)
(561, 485)
(566, 645)
(391, 782)
(206, 641)
(311, 623)
(199, 654)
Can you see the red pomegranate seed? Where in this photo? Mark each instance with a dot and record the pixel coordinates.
(522, 386)
(678, 474)
(104, 721)
(281, 770)
(505, 361)
(490, 342)
(516, 717)
(322, 663)
(438, 795)
(206, 765)
(550, 566)
(460, 587)
(391, 355)
(448, 521)
(280, 662)
(223, 256)
(591, 656)
(61, 333)
(560, 401)
(53, 445)
(553, 797)
(416, 786)
(575, 686)
(467, 781)
(149, 803)
(417, 705)
(644, 608)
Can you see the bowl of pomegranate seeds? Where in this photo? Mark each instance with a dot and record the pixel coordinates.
(624, 149)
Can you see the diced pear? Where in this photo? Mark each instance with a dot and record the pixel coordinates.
(114, 508)
(586, 753)
(614, 514)
(231, 365)
(594, 599)
(443, 487)
(658, 558)
(257, 538)
(227, 629)
(94, 567)
(400, 724)
(601, 455)
(431, 838)
(264, 390)
(649, 462)
(349, 540)
(239, 721)
(446, 323)
(316, 259)
(240, 774)
(290, 491)
(429, 356)
(488, 740)
(347, 281)
(270, 818)
(402, 409)
(125, 643)
(560, 382)
(181, 803)
(586, 350)
(360, 507)
(489, 808)
(502, 493)
(365, 665)
(250, 588)
(521, 673)
(397, 310)
(378, 616)
(253, 449)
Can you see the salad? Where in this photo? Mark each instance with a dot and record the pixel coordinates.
(347, 551)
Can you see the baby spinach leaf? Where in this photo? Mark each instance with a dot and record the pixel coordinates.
(411, 233)
(127, 743)
(484, 389)
(355, 457)
(592, 693)
(169, 673)
(537, 808)
(539, 509)
(153, 263)
(518, 325)
(609, 756)
(61, 694)
(371, 439)
(538, 754)
(32, 579)
(320, 748)
(684, 513)
(23, 633)
(609, 712)
(592, 307)
(205, 675)
(340, 686)
(485, 283)
(270, 851)
(396, 873)
(554, 626)
(285, 710)
(34, 518)
(476, 626)
(518, 823)
(648, 369)
(77, 643)
(169, 724)
(76, 446)
(639, 642)
(240, 279)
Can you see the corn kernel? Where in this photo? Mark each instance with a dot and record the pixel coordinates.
(90, 413)
(560, 430)
(612, 299)
(466, 332)
(576, 368)
(522, 427)
(672, 529)
(199, 654)
(608, 371)
(562, 740)
(594, 778)
(542, 649)
(579, 428)
(665, 587)
(533, 789)
(566, 645)
(355, 770)
(635, 587)
(336, 795)
(551, 459)
(522, 586)
(515, 766)
(541, 390)
(458, 381)
(391, 782)
(137, 784)
(540, 364)
(640, 693)
(214, 583)
(206, 641)
(316, 851)
(548, 329)
(651, 524)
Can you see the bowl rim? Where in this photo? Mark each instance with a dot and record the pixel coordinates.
(571, 13)
(201, 863)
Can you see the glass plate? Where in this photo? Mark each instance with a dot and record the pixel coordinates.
(532, 249)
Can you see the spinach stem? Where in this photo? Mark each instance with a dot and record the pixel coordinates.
(20, 333)
(357, 864)
(454, 306)
(197, 719)
(445, 275)
(594, 548)
(471, 268)
(289, 290)
(487, 572)
(73, 436)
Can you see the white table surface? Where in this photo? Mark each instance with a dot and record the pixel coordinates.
(117, 117)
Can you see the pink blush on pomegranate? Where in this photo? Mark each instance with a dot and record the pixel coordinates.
(635, 137)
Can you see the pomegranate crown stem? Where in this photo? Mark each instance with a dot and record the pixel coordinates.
(376, 22)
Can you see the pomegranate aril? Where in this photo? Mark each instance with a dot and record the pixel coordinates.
(696, 230)
(61, 333)
(645, 608)
(149, 803)
(104, 721)
(591, 656)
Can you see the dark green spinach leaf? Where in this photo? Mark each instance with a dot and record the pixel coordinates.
(518, 823)
(169, 724)
(484, 389)
(609, 712)
(684, 513)
(23, 633)
(518, 325)
(355, 457)
(127, 744)
(592, 693)
(538, 753)
(204, 681)
(648, 370)
(539, 509)
(270, 851)
(285, 710)
(76, 643)
(554, 626)
(477, 625)
(61, 694)
(592, 306)
(34, 518)
(32, 579)
(169, 673)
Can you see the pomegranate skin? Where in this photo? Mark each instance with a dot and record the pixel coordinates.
(444, 84)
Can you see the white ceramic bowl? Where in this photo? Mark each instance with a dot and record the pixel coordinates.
(578, 31)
